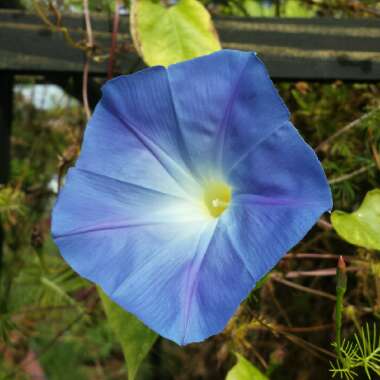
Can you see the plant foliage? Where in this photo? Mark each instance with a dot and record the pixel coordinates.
(360, 352)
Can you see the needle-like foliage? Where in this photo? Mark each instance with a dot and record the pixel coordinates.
(361, 351)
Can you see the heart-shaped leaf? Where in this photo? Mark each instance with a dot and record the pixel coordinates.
(361, 227)
(244, 370)
(166, 35)
(135, 338)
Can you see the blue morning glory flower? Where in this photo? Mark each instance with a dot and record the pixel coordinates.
(191, 184)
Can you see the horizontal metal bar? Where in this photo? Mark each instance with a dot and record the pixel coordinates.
(312, 49)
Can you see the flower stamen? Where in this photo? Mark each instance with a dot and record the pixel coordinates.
(217, 197)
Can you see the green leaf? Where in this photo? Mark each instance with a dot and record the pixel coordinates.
(11, 200)
(298, 9)
(244, 370)
(361, 227)
(136, 339)
(256, 9)
(164, 36)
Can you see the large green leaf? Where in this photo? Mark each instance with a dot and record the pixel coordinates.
(136, 339)
(361, 227)
(166, 35)
(244, 370)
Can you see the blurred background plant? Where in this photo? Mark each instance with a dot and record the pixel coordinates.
(294, 325)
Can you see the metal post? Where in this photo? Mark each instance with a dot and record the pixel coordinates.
(6, 112)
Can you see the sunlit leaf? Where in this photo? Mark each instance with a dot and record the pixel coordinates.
(11, 201)
(298, 9)
(244, 370)
(166, 35)
(361, 227)
(255, 9)
(135, 338)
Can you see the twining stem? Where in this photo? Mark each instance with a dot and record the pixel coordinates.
(348, 176)
(324, 225)
(341, 287)
(115, 30)
(85, 88)
(345, 129)
(313, 255)
(302, 288)
(317, 272)
(312, 348)
(90, 46)
(56, 27)
(87, 20)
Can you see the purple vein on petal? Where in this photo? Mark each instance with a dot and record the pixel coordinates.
(136, 186)
(159, 153)
(238, 254)
(182, 144)
(222, 128)
(255, 146)
(115, 226)
(155, 253)
(192, 276)
(241, 199)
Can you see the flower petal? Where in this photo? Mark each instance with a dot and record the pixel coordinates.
(90, 202)
(282, 166)
(276, 205)
(236, 102)
(220, 282)
(152, 253)
(133, 135)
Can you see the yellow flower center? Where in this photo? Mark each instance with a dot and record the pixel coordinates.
(217, 197)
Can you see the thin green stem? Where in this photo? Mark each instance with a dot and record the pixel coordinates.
(341, 287)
